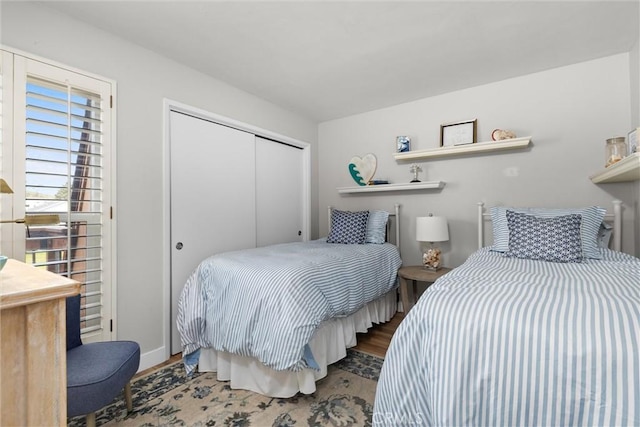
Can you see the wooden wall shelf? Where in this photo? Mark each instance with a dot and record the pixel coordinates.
(626, 170)
(428, 185)
(478, 147)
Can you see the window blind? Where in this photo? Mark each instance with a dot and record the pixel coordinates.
(64, 176)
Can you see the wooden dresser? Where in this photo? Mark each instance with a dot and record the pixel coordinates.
(33, 369)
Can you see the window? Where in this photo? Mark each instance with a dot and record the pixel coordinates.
(61, 166)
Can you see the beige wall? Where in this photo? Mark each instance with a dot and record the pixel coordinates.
(568, 111)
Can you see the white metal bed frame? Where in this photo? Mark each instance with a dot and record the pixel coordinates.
(615, 218)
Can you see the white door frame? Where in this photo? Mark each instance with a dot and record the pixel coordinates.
(171, 105)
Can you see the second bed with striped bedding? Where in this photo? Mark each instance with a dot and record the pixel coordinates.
(507, 341)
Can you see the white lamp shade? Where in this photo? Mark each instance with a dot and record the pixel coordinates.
(432, 229)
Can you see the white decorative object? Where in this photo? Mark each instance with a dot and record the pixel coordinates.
(363, 169)
(432, 229)
(501, 134)
(415, 170)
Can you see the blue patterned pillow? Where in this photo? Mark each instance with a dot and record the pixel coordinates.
(554, 239)
(348, 227)
(592, 217)
(376, 227)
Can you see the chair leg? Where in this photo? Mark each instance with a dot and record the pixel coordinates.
(91, 419)
(127, 397)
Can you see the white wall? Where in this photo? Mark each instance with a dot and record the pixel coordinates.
(143, 80)
(569, 112)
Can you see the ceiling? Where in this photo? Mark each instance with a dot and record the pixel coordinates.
(326, 60)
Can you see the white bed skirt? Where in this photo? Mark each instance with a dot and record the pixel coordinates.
(329, 344)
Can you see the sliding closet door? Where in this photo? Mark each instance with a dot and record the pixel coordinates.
(279, 195)
(212, 197)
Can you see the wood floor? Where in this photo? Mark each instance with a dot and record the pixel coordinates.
(377, 339)
(375, 342)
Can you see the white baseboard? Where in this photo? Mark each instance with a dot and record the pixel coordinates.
(152, 358)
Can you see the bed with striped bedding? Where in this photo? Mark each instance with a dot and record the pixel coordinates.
(509, 341)
(266, 303)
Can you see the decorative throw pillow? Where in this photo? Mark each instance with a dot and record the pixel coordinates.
(592, 217)
(554, 239)
(376, 227)
(348, 227)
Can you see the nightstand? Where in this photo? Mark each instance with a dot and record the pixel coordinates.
(416, 273)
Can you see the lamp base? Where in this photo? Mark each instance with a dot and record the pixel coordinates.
(431, 259)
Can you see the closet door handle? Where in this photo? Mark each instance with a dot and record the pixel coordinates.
(179, 245)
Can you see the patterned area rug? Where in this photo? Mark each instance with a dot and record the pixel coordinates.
(166, 398)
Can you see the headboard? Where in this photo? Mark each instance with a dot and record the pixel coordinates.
(615, 218)
(394, 218)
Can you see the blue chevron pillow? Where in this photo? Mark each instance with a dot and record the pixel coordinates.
(554, 239)
(348, 227)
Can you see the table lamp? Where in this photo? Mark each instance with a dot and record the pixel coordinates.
(432, 229)
(4, 187)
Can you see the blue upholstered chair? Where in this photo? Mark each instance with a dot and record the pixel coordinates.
(96, 372)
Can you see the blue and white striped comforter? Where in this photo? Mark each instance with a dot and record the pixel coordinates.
(267, 302)
(510, 342)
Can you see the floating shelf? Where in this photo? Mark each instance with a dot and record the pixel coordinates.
(626, 170)
(478, 147)
(428, 185)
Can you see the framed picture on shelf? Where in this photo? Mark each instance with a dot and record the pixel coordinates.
(403, 144)
(458, 133)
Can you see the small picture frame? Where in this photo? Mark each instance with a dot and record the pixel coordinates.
(403, 144)
(632, 141)
(458, 133)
